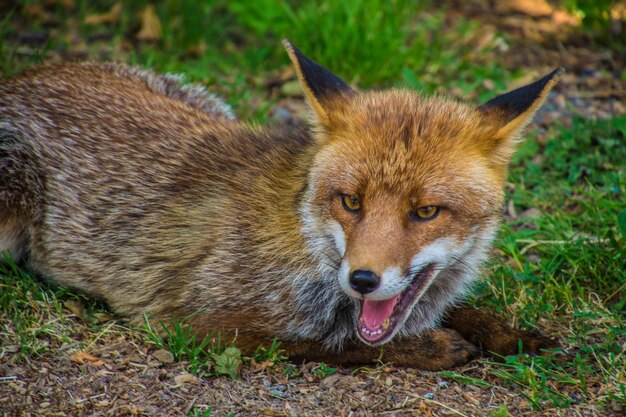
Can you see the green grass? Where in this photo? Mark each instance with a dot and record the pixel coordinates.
(209, 356)
(234, 45)
(32, 320)
(273, 353)
(598, 22)
(567, 264)
(208, 412)
(464, 379)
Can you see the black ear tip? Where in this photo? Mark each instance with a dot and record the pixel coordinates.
(292, 50)
(294, 53)
(521, 99)
(550, 79)
(288, 45)
(557, 73)
(319, 80)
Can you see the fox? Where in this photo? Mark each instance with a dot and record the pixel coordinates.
(352, 239)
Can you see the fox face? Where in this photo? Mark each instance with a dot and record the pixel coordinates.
(407, 191)
(406, 205)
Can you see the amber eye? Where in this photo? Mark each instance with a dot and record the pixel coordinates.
(350, 203)
(426, 212)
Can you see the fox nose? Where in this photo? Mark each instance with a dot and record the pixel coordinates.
(364, 281)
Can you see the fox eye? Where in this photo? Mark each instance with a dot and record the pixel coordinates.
(350, 203)
(426, 213)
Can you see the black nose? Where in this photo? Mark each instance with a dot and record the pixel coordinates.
(364, 281)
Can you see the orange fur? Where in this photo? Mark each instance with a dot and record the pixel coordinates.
(147, 193)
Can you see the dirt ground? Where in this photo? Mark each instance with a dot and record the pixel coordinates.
(128, 376)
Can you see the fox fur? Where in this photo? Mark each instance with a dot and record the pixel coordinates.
(148, 193)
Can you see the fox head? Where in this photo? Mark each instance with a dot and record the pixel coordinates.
(407, 191)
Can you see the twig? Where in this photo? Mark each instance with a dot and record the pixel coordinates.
(104, 331)
(532, 243)
(597, 94)
(440, 405)
(190, 405)
(614, 293)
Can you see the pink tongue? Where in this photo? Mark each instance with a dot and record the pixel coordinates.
(374, 313)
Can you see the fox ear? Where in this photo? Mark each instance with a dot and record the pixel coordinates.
(321, 87)
(512, 111)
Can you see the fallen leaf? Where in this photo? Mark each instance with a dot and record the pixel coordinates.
(112, 16)
(76, 308)
(258, 367)
(561, 17)
(534, 8)
(101, 317)
(87, 358)
(34, 10)
(150, 25)
(185, 379)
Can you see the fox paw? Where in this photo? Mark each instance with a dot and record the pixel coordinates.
(439, 349)
(536, 343)
(509, 343)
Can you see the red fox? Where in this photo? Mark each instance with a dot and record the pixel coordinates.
(363, 231)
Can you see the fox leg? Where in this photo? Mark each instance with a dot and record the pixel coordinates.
(466, 331)
(434, 349)
(493, 334)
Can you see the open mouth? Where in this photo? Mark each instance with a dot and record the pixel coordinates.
(379, 320)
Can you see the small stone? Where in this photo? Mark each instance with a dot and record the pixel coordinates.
(163, 356)
(489, 85)
(330, 380)
(531, 213)
(291, 89)
(281, 114)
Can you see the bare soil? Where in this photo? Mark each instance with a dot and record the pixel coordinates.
(125, 376)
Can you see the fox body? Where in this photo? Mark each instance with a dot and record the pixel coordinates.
(355, 233)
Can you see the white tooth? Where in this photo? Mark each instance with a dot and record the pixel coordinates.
(385, 324)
